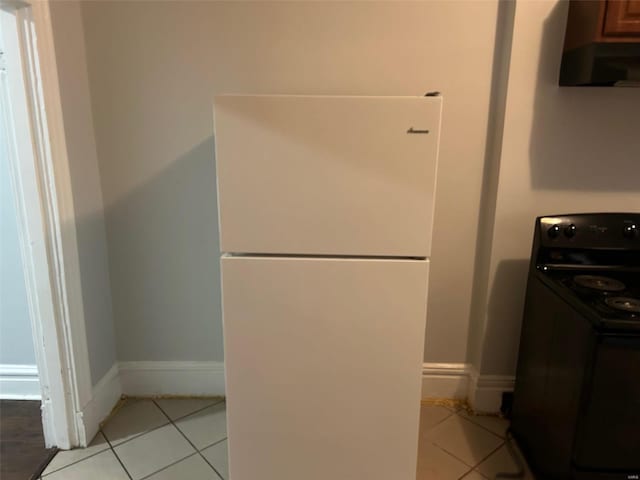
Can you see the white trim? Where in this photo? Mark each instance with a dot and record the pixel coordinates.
(56, 180)
(445, 380)
(485, 392)
(42, 188)
(19, 382)
(105, 396)
(172, 378)
(59, 376)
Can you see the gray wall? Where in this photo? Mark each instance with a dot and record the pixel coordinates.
(563, 150)
(16, 340)
(154, 68)
(85, 184)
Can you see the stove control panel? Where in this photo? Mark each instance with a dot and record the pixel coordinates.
(585, 230)
(630, 230)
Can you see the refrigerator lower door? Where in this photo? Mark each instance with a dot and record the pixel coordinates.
(323, 365)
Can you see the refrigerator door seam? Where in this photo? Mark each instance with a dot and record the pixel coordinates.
(322, 257)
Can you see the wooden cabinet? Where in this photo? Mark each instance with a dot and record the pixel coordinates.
(602, 21)
(621, 18)
(602, 43)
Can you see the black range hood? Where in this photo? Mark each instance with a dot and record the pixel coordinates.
(602, 44)
(602, 64)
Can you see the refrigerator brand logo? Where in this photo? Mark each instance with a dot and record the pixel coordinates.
(415, 130)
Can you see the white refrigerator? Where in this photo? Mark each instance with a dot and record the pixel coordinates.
(326, 214)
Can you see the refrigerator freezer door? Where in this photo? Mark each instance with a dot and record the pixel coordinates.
(327, 175)
(323, 365)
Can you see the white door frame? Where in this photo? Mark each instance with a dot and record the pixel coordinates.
(47, 225)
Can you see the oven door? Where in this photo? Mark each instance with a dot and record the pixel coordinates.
(609, 434)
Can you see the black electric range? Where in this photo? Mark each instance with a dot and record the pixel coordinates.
(576, 407)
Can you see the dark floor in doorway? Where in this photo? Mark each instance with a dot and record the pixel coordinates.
(22, 452)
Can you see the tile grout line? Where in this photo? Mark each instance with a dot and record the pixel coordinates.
(116, 455)
(489, 455)
(209, 463)
(502, 443)
(472, 467)
(212, 444)
(108, 447)
(453, 456)
(170, 465)
(188, 414)
(187, 438)
(169, 422)
(468, 418)
(484, 428)
(451, 414)
(466, 473)
(141, 433)
(473, 470)
(159, 426)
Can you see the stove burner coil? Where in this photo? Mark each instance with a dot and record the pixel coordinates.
(595, 282)
(626, 304)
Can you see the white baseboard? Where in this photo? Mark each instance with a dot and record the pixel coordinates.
(172, 378)
(485, 392)
(105, 395)
(445, 380)
(462, 381)
(19, 382)
(148, 379)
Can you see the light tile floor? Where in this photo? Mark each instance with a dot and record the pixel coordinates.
(163, 439)
(180, 439)
(455, 444)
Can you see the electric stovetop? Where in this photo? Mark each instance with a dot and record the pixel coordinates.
(611, 296)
